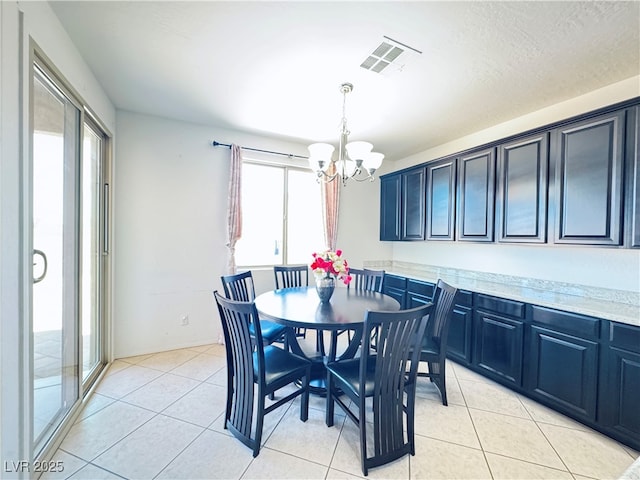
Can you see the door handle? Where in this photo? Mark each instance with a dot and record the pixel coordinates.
(44, 272)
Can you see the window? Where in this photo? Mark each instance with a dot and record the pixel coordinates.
(281, 216)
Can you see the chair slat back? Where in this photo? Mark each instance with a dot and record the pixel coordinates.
(291, 276)
(236, 317)
(443, 300)
(239, 287)
(396, 365)
(367, 280)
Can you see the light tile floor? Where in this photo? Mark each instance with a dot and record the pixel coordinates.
(160, 416)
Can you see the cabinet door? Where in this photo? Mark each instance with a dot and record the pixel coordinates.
(521, 204)
(618, 404)
(633, 186)
(390, 207)
(624, 371)
(413, 205)
(498, 347)
(588, 181)
(459, 337)
(476, 192)
(396, 287)
(441, 195)
(563, 372)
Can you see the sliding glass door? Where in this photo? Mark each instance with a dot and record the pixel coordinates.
(94, 197)
(68, 161)
(56, 167)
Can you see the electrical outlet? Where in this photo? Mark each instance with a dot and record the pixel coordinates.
(185, 319)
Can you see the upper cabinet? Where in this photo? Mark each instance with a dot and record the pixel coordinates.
(413, 200)
(521, 203)
(588, 181)
(402, 205)
(476, 187)
(633, 176)
(390, 207)
(441, 198)
(575, 182)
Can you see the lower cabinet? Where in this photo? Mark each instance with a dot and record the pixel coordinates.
(584, 367)
(460, 329)
(563, 372)
(419, 293)
(395, 287)
(498, 347)
(618, 408)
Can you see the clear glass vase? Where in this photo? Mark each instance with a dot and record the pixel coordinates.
(325, 286)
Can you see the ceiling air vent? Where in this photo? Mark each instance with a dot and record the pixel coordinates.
(390, 53)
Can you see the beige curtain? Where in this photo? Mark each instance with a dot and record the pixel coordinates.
(234, 207)
(330, 203)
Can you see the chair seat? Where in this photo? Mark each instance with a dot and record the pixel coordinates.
(279, 364)
(271, 331)
(347, 373)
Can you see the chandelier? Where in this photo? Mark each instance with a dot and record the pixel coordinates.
(355, 159)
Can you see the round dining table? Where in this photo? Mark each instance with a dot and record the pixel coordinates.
(300, 307)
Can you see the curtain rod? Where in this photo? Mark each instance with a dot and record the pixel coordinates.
(290, 155)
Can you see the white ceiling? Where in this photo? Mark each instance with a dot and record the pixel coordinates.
(275, 68)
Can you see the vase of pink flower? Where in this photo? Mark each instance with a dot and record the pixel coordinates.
(328, 266)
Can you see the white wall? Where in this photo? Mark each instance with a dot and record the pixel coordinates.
(594, 266)
(359, 222)
(170, 214)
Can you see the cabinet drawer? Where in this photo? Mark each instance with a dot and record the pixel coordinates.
(465, 298)
(424, 289)
(625, 336)
(395, 281)
(571, 323)
(500, 305)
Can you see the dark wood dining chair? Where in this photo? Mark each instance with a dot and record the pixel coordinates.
(434, 343)
(267, 366)
(290, 276)
(240, 287)
(387, 375)
(366, 280)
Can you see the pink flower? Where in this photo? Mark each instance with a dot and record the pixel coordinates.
(331, 263)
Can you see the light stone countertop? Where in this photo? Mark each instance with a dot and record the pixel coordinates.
(618, 305)
(633, 472)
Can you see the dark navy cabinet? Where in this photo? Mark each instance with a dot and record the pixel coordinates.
(619, 405)
(499, 338)
(460, 329)
(413, 205)
(476, 194)
(563, 360)
(576, 181)
(441, 199)
(390, 205)
(521, 199)
(589, 179)
(419, 293)
(396, 287)
(633, 177)
(402, 205)
(584, 367)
